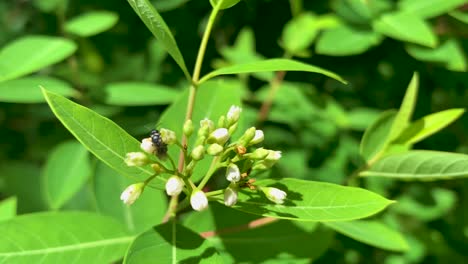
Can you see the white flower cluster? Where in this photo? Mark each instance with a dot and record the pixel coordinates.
(240, 158)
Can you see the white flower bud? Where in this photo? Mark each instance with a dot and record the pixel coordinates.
(198, 152)
(198, 200)
(148, 146)
(233, 173)
(249, 134)
(233, 115)
(274, 155)
(259, 154)
(230, 196)
(174, 185)
(131, 193)
(168, 136)
(206, 127)
(214, 149)
(136, 159)
(274, 194)
(220, 136)
(257, 138)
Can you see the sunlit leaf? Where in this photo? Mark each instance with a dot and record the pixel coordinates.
(27, 90)
(32, 53)
(376, 136)
(100, 136)
(270, 65)
(345, 41)
(155, 23)
(300, 32)
(8, 208)
(65, 172)
(139, 93)
(72, 237)
(428, 125)
(91, 23)
(403, 117)
(406, 27)
(420, 165)
(171, 243)
(312, 201)
(449, 54)
(224, 3)
(373, 233)
(429, 8)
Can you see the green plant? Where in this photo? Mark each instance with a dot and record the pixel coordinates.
(205, 156)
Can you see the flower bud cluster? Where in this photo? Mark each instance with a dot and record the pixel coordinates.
(238, 157)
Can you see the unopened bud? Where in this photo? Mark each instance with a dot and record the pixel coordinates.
(131, 193)
(233, 128)
(147, 146)
(273, 155)
(174, 185)
(220, 136)
(206, 127)
(248, 136)
(233, 173)
(257, 138)
(188, 128)
(230, 196)
(136, 159)
(198, 200)
(168, 136)
(259, 154)
(274, 194)
(222, 121)
(198, 152)
(214, 149)
(157, 168)
(233, 115)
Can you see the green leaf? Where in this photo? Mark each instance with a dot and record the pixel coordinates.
(214, 98)
(300, 32)
(444, 201)
(429, 8)
(139, 93)
(146, 212)
(243, 51)
(312, 201)
(48, 6)
(26, 90)
(449, 54)
(225, 3)
(32, 53)
(263, 244)
(355, 11)
(373, 233)
(67, 169)
(376, 136)
(428, 125)
(460, 16)
(360, 118)
(403, 117)
(171, 243)
(91, 23)
(15, 174)
(420, 165)
(155, 23)
(270, 65)
(168, 5)
(100, 136)
(345, 40)
(72, 237)
(406, 27)
(8, 208)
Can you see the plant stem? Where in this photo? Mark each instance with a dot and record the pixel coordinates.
(171, 211)
(275, 84)
(210, 172)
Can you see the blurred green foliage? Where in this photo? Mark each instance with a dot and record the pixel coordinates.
(103, 54)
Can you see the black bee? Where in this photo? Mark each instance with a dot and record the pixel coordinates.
(161, 147)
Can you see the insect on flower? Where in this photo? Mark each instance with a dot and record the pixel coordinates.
(161, 147)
